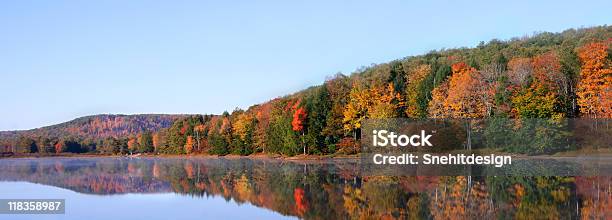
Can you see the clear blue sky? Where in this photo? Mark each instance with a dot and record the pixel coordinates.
(64, 59)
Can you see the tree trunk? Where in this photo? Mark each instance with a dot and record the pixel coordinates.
(469, 135)
(303, 144)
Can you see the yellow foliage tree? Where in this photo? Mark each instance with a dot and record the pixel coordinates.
(541, 98)
(385, 102)
(376, 102)
(243, 125)
(356, 108)
(436, 107)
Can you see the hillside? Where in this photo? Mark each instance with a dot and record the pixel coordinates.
(98, 126)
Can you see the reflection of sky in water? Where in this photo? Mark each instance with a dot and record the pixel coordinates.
(132, 206)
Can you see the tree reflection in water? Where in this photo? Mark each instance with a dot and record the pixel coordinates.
(325, 190)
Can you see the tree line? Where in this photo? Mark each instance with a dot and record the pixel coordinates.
(548, 75)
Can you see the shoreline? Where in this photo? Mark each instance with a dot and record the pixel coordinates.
(261, 156)
(589, 153)
(197, 156)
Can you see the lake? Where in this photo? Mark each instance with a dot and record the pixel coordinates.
(210, 188)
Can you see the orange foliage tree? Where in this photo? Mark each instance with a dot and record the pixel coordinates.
(156, 141)
(593, 90)
(462, 100)
(262, 118)
(461, 96)
(189, 144)
(132, 144)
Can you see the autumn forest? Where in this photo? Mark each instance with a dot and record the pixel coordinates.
(545, 76)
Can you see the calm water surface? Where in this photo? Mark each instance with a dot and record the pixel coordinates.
(173, 188)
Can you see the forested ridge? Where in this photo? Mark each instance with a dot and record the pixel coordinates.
(84, 133)
(547, 75)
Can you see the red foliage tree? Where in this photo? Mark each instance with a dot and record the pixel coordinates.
(299, 116)
(59, 147)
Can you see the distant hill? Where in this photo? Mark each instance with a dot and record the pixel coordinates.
(98, 126)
